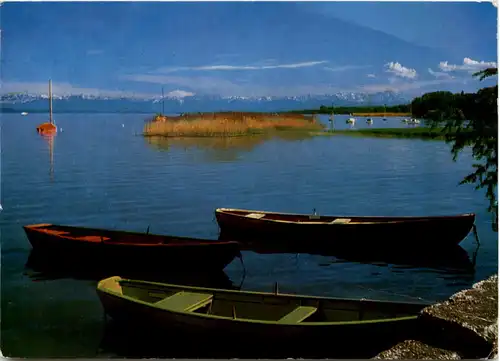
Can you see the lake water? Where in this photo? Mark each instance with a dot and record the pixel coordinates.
(100, 174)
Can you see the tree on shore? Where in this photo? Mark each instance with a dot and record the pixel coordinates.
(469, 120)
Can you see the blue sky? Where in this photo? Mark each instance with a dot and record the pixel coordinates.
(246, 48)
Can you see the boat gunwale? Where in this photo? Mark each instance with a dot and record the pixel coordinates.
(118, 279)
(41, 229)
(377, 220)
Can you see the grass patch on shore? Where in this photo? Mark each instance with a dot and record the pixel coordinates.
(418, 132)
(229, 124)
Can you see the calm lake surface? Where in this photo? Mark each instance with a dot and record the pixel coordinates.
(103, 175)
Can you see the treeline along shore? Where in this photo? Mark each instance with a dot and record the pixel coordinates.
(378, 110)
(228, 124)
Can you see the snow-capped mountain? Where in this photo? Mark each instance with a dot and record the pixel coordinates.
(176, 102)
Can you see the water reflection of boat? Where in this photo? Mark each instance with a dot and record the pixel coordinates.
(453, 259)
(50, 138)
(40, 268)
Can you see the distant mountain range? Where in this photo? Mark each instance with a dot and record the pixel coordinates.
(20, 102)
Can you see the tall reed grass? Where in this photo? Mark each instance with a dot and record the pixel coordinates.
(228, 124)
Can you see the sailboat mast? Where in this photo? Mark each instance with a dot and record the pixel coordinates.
(50, 102)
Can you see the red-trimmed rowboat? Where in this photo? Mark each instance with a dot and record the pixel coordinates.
(134, 249)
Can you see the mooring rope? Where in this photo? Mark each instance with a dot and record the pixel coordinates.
(244, 271)
(240, 256)
(474, 229)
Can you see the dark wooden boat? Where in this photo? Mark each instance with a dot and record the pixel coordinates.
(132, 250)
(256, 316)
(437, 231)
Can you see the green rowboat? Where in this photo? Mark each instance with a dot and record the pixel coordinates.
(256, 315)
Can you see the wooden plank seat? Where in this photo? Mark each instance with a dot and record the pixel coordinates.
(256, 215)
(94, 238)
(185, 301)
(298, 315)
(57, 233)
(340, 221)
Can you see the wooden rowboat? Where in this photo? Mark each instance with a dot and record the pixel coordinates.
(130, 249)
(437, 231)
(255, 315)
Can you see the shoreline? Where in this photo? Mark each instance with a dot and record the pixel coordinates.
(416, 133)
(463, 326)
(424, 133)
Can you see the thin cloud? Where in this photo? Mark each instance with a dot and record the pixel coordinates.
(401, 71)
(371, 75)
(346, 67)
(240, 67)
(202, 84)
(223, 87)
(439, 74)
(179, 94)
(405, 86)
(469, 65)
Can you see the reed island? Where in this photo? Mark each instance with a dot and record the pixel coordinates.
(229, 124)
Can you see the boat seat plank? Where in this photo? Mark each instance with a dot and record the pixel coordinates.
(94, 238)
(56, 233)
(341, 221)
(185, 301)
(298, 315)
(255, 215)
